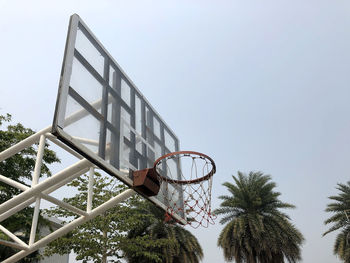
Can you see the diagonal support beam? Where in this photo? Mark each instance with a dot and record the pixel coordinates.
(23, 144)
(36, 175)
(13, 245)
(13, 237)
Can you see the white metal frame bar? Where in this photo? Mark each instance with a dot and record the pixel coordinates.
(13, 237)
(13, 244)
(37, 171)
(90, 190)
(42, 190)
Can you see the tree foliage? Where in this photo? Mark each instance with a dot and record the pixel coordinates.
(255, 228)
(160, 241)
(340, 221)
(19, 168)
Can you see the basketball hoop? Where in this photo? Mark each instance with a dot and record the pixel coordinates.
(195, 183)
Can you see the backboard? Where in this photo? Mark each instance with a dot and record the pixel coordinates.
(102, 115)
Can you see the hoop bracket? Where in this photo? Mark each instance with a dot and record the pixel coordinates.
(146, 182)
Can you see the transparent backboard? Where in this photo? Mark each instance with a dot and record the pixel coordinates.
(101, 114)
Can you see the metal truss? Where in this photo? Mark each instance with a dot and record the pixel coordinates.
(41, 190)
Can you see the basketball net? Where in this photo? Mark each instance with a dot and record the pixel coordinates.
(194, 181)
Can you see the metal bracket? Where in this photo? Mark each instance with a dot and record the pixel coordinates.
(146, 182)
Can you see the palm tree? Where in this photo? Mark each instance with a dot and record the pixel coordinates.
(163, 241)
(190, 250)
(256, 230)
(340, 221)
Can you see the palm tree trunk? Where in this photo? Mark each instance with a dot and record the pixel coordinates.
(252, 259)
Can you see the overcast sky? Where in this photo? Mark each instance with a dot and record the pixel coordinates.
(256, 85)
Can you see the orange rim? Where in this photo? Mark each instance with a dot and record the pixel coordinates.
(185, 153)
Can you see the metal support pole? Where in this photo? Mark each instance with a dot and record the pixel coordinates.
(13, 237)
(23, 144)
(36, 175)
(65, 229)
(39, 160)
(12, 244)
(90, 189)
(60, 144)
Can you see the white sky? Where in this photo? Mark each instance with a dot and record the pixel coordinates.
(257, 85)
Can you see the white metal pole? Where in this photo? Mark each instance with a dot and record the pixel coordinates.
(34, 221)
(36, 175)
(67, 180)
(67, 228)
(13, 237)
(23, 144)
(90, 189)
(13, 183)
(54, 139)
(13, 245)
(44, 185)
(86, 141)
(39, 160)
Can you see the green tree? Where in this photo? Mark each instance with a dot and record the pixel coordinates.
(340, 221)
(255, 229)
(165, 241)
(19, 167)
